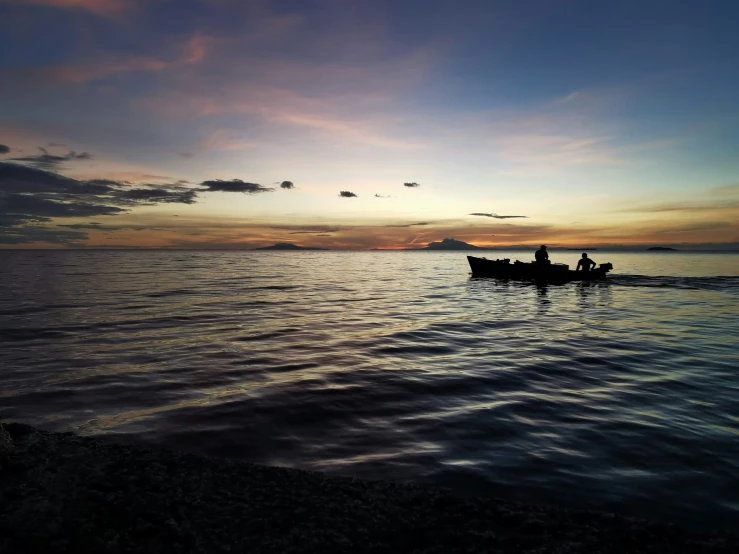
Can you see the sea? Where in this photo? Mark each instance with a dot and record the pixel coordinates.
(618, 396)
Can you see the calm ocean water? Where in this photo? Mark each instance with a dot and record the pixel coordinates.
(620, 396)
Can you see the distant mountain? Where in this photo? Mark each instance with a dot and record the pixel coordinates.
(288, 246)
(451, 244)
(662, 248)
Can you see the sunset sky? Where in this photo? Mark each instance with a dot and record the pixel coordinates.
(125, 122)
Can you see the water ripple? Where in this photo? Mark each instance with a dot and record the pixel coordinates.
(618, 396)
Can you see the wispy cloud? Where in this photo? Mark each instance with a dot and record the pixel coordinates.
(348, 101)
(48, 161)
(33, 235)
(715, 199)
(557, 149)
(406, 225)
(225, 140)
(307, 229)
(693, 227)
(191, 52)
(496, 216)
(105, 8)
(92, 226)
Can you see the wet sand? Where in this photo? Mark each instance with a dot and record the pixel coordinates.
(60, 492)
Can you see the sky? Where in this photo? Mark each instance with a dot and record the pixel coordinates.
(368, 124)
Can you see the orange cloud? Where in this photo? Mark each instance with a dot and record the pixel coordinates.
(152, 230)
(204, 232)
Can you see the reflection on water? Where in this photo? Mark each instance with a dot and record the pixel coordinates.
(543, 301)
(619, 395)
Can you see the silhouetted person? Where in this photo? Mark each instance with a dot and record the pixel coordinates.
(542, 257)
(585, 263)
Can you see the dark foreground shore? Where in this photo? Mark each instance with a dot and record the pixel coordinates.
(64, 493)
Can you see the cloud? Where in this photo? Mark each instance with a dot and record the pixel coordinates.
(496, 216)
(30, 235)
(695, 227)
(715, 199)
(686, 207)
(346, 99)
(186, 155)
(412, 185)
(48, 161)
(10, 220)
(40, 184)
(306, 229)
(407, 225)
(158, 195)
(335, 230)
(105, 8)
(288, 185)
(22, 179)
(94, 226)
(731, 190)
(186, 54)
(234, 185)
(29, 205)
(4, 149)
(347, 194)
(108, 182)
(29, 195)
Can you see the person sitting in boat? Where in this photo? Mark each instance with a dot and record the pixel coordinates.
(585, 263)
(542, 257)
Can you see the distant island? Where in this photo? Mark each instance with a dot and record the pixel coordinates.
(661, 248)
(288, 246)
(451, 244)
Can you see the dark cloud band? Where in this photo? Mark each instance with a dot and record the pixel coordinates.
(30, 194)
(234, 185)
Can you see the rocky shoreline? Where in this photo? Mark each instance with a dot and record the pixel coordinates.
(60, 492)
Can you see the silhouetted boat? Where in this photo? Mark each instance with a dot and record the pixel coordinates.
(551, 273)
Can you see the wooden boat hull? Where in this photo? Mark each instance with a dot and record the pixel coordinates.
(550, 273)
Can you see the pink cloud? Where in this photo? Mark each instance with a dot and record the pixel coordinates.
(91, 72)
(193, 51)
(223, 140)
(354, 102)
